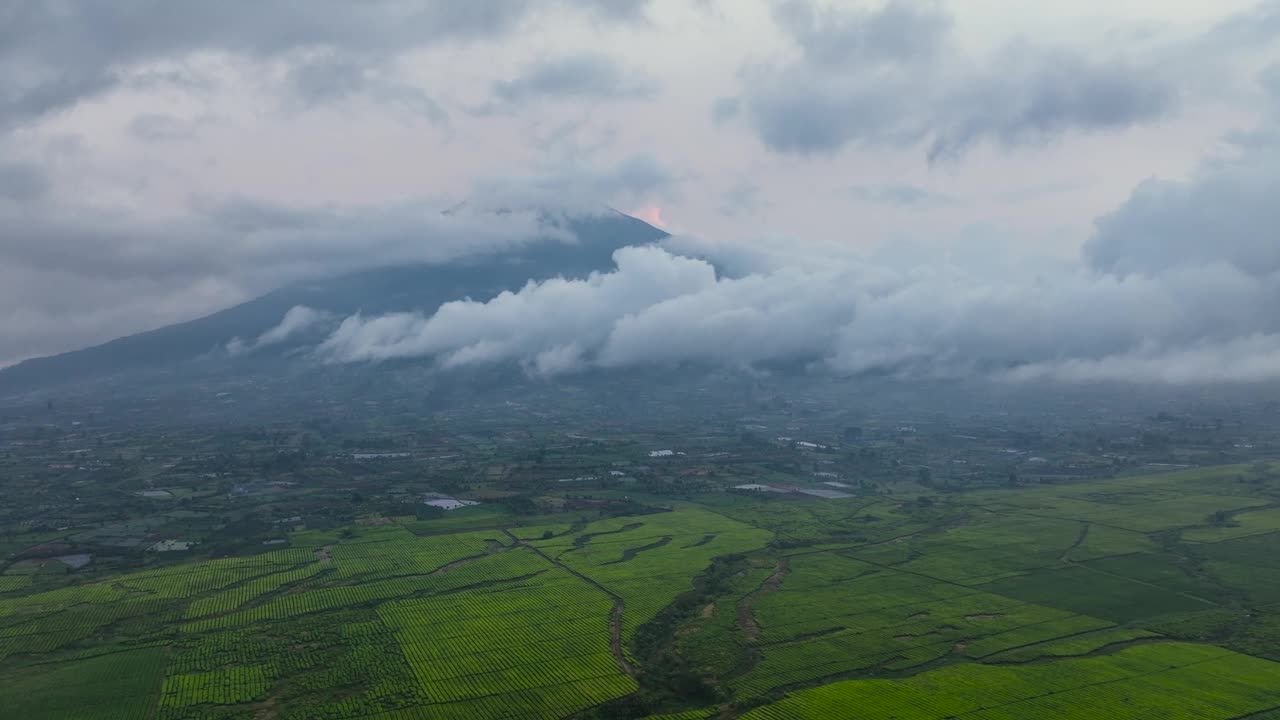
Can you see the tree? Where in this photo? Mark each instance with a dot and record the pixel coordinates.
(422, 511)
(925, 476)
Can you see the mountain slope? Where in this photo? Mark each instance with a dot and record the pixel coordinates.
(390, 289)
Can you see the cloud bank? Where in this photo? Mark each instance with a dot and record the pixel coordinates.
(1180, 284)
(660, 308)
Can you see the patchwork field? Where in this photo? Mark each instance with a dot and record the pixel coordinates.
(1051, 601)
(833, 615)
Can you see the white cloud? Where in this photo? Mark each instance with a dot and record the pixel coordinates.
(298, 319)
(543, 325)
(1178, 286)
(659, 308)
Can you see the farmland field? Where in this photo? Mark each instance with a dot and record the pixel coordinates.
(1168, 681)
(1057, 601)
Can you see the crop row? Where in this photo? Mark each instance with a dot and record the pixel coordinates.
(50, 632)
(517, 678)
(233, 598)
(542, 703)
(467, 648)
(1038, 632)
(498, 567)
(434, 642)
(553, 589)
(1072, 646)
(1147, 681)
(406, 554)
(12, 583)
(552, 654)
(228, 686)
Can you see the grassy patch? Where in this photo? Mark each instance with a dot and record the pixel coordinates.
(1089, 592)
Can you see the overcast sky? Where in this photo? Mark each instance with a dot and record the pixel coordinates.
(161, 159)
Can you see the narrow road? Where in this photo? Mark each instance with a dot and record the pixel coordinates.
(746, 606)
(615, 618)
(1084, 533)
(468, 560)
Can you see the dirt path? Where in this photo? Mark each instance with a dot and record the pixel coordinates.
(1084, 533)
(705, 539)
(615, 618)
(582, 540)
(746, 606)
(468, 560)
(322, 554)
(629, 554)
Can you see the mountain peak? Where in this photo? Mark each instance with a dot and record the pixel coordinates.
(575, 245)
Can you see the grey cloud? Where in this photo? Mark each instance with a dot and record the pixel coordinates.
(34, 92)
(615, 10)
(22, 182)
(726, 108)
(326, 79)
(891, 77)
(1253, 358)
(585, 76)
(158, 127)
(55, 54)
(333, 77)
(1227, 212)
(1269, 78)
(45, 311)
(72, 275)
(1257, 27)
(899, 32)
(741, 199)
(1038, 94)
(795, 111)
(1180, 285)
(954, 323)
(635, 179)
(910, 196)
(1031, 192)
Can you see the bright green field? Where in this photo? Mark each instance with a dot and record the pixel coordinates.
(1067, 600)
(1173, 681)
